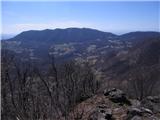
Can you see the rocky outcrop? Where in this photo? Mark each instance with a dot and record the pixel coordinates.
(138, 113)
(117, 96)
(114, 104)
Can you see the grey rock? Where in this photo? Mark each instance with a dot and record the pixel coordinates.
(108, 91)
(132, 112)
(117, 96)
(135, 111)
(152, 103)
(106, 113)
(146, 110)
(101, 114)
(154, 99)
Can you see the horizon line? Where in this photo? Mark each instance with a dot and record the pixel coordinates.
(116, 33)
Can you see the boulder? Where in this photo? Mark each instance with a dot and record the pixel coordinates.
(101, 113)
(107, 92)
(117, 96)
(108, 114)
(132, 112)
(152, 103)
(146, 110)
(135, 111)
(140, 114)
(154, 99)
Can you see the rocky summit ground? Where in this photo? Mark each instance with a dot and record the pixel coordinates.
(113, 104)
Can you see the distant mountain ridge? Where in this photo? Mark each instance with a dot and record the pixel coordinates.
(76, 33)
(63, 35)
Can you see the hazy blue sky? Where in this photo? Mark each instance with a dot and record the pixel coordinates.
(116, 17)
